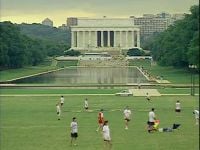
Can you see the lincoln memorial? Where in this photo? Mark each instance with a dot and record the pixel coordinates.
(104, 34)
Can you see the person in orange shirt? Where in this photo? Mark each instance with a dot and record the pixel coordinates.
(100, 120)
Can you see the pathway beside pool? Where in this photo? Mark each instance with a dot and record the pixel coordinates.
(143, 92)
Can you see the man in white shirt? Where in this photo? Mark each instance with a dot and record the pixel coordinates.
(62, 99)
(74, 130)
(196, 115)
(178, 107)
(151, 120)
(58, 110)
(127, 116)
(86, 104)
(106, 135)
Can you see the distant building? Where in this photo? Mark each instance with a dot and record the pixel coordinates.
(72, 21)
(150, 24)
(47, 22)
(103, 34)
(63, 27)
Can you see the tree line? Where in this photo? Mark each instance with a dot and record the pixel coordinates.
(18, 50)
(179, 45)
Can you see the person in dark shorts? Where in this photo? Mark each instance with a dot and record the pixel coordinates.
(74, 131)
(86, 105)
(178, 107)
(151, 120)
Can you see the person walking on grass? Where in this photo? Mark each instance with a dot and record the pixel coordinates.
(62, 99)
(178, 107)
(100, 120)
(196, 115)
(151, 120)
(127, 116)
(106, 135)
(58, 110)
(148, 98)
(74, 131)
(86, 105)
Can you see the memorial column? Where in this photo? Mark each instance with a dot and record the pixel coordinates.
(102, 39)
(138, 38)
(108, 38)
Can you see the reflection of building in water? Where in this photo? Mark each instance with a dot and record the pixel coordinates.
(103, 34)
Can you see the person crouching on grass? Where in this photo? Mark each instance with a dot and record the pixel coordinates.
(74, 131)
(106, 135)
(58, 110)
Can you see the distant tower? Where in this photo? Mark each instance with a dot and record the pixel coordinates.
(47, 22)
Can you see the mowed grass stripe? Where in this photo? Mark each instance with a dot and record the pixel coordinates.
(40, 111)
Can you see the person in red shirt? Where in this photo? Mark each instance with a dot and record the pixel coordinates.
(100, 120)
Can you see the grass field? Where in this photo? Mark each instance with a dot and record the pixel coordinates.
(30, 123)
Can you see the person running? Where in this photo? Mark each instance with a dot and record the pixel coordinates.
(106, 135)
(62, 99)
(178, 107)
(196, 115)
(100, 120)
(127, 116)
(151, 120)
(74, 131)
(58, 110)
(86, 105)
(148, 97)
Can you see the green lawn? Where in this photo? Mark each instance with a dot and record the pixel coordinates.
(86, 91)
(174, 75)
(30, 123)
(29, 70)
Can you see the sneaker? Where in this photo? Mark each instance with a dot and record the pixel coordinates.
(126, 128)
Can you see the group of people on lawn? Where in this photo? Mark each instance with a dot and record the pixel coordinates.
(152, 123)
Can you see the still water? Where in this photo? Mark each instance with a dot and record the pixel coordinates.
(98, 75)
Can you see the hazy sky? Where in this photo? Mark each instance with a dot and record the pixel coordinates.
(30, 11)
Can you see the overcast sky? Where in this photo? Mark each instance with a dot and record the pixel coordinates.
(34, 11)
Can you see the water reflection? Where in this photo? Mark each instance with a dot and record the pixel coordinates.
(98, 75)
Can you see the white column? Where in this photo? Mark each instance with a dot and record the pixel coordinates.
(115, 38)
(90, 32)
(138, 38)
(108, 38)
(95, 39)
(102, 39)
(132, 39)
(83, 39)
(78, 40)
(72, 39)
(120, 36)
(126, 39)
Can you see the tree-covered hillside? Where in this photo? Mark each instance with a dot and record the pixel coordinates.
(18, 50)
(179, 44)
(50, 34)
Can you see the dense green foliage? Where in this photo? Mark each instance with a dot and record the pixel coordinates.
(179, 44)
(18, 50)
(72, 53)
(46, 33)
(135, 52)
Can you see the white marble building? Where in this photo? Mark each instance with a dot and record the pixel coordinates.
(104, 34)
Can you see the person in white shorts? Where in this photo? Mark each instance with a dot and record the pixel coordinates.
(106, 135)
(196, 115)
(58, 110)
(62, 99)
(127, 116)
